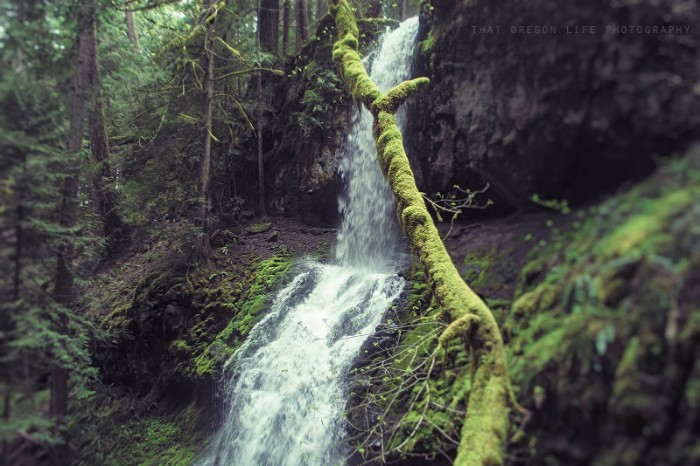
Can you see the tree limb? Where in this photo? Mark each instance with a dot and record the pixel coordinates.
(486, 425)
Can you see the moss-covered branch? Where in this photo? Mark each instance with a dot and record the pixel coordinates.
(486, 425)
(392, 100)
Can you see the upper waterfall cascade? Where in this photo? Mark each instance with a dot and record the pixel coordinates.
(286, 386)
(368, 233)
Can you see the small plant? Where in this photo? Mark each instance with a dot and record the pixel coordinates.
(554, 204)
(454, 205)
(216, 275)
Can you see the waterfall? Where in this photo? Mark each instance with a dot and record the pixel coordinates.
(368, 233)
(287, 384)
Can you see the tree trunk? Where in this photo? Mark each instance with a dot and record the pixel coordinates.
(302, 23)
(485, 429)
(63, 288)
(268, 19)
(19, 64)
(285, 28)
(261, 164)
(131, 29)
(19, 237)
(99, 147)
(202, 246)
(6, 324)
(207, 100)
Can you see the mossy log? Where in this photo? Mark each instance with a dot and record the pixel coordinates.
(484, 433)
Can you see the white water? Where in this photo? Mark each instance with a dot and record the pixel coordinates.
(367, 234)
(287, 383)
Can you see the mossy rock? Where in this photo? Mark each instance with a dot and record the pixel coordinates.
(222, 238)
(117, 437)
(258, 228)
(117, 319)
(542, 298)
(251, 301)
(595, 327)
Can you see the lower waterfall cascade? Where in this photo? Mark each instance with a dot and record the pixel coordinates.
(286, 387)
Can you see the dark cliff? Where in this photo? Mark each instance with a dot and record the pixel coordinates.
(564, 115)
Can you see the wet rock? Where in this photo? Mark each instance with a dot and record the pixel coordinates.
(222, 237)
(565, 115)
(258, 228)
(309, 134)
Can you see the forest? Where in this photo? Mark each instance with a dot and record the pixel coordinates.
(349, 232)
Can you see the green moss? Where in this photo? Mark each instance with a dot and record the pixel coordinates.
(159, 433)
(258, 228)
(647, 230)
(599, 304)
(161, 445)
(392, 100)
(483, 270)
(115, 436)
(430, 407)
(180, 345)
(542, 298)
(428, 43)
(173, 456)
(421, 387)
(117, 319)
(250, 302)
(627, 368)
(476, 268)
(534, 270)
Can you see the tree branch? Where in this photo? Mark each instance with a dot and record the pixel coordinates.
(486, 425)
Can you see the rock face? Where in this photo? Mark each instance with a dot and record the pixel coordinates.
(563, 115)
(312, 123)
(309, 133)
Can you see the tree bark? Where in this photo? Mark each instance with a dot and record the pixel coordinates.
(202, 246)
(99, 147)
(63, 288)
(19, 237)
(6, 324)
(131, 29)
(485, 429)
(261, 161)
(285, 27)
(207, 101)
(268, 20)
(302, 23)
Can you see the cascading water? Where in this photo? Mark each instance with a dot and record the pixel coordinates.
(287, 386)
(368, 234)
